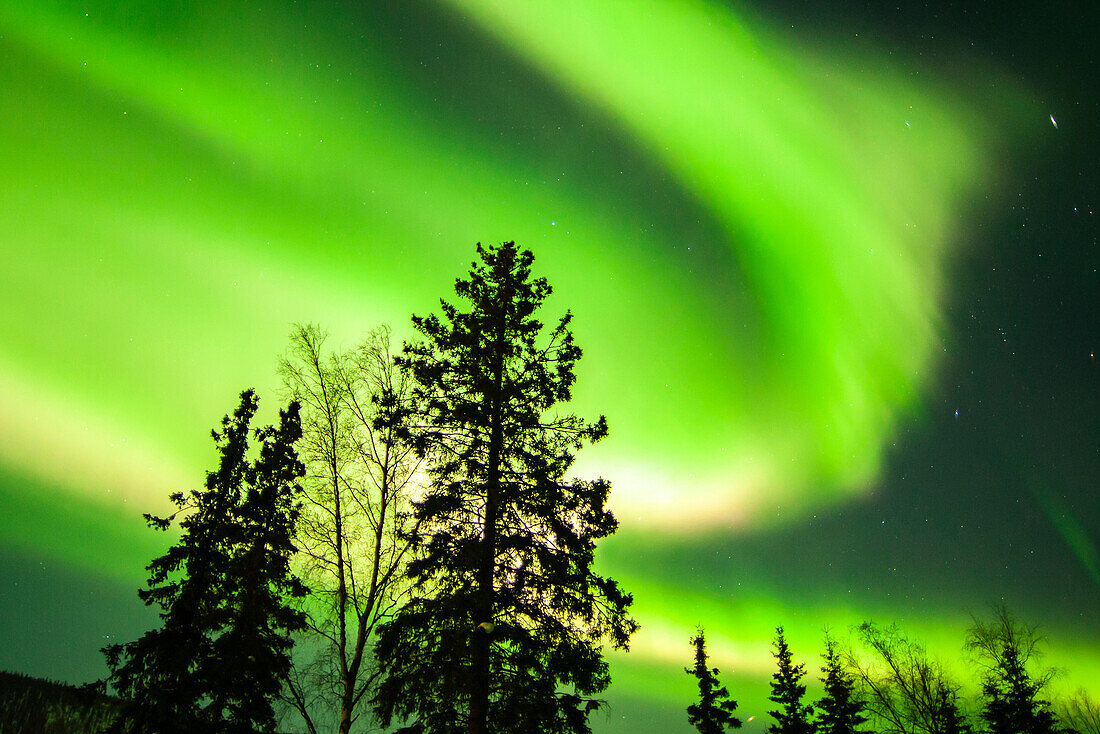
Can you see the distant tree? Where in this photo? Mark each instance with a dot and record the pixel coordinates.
(905, 691)
(793, 716)
(359, 470)
(1080, 713)
(220, 655)
(841, 709)
(714, 712)
(47, 707)
(1004, 649)
(504, 628)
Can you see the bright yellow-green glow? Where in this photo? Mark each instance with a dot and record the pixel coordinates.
(304, 180)
(837, 190)
(752, 234)
(741, 628)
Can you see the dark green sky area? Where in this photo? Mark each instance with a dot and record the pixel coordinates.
(833, 266)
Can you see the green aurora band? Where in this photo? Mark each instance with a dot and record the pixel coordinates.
(753, 235)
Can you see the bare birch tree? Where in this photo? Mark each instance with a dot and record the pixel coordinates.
(359, 472)
(1080, 713)
(905, 690)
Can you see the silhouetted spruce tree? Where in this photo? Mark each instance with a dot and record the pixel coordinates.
(1012, 705)
(950, 717)
(217, 661)
(1013, 702)
(506, 618)
(840, 711)
(793, 716)
(714, 712)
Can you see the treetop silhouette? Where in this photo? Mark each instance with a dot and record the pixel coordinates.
(505, 625)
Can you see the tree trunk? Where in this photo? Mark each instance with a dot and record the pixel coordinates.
(479, 679)
(345, 718)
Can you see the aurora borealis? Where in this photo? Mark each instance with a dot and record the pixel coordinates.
(835, 282)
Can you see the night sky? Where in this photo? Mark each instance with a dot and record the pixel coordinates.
(833, 266)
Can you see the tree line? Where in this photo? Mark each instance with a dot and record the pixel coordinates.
(405, 547)
(886, 683)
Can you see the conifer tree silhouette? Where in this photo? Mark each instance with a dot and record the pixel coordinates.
(840, 710)
(792, 716)
(216, 662)
(504, 626)
(714, 712)
(1004, 648)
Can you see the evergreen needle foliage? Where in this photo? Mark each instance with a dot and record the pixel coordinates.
(1003, 648)
(218, 659)
(840, 711)
(714, 712)
(30, 704)
(793, 716)
(504, 627)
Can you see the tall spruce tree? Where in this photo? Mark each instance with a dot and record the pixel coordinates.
(504, 627)
(217, 661)
(714, 712)
(1013, 703)
(840, 710)
(792, 716)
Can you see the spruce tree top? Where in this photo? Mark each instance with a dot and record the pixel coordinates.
(714, 712)
(468, 352)
(506, 621)
(217, 662)
(840, 710)
(792, 717)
